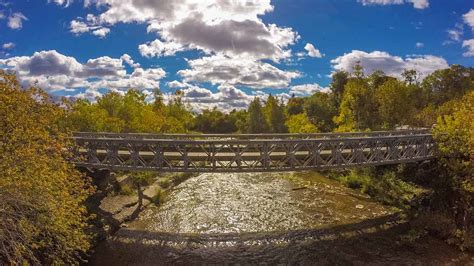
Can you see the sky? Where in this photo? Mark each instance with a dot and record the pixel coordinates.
(223, 53)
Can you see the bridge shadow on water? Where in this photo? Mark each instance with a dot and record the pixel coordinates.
(374, 241)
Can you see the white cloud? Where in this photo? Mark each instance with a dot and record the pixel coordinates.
(312, 51)
(158, 48)
(61, 2)
(15, 21)
(238, 72)
(455, 34)
(226, 98)
(469, 18)
(88, 94)
(232, 28)
(469, 44)
(307, 89)
(418, 4)
(54, 71)
(391, 65)
(128, 59)
(419, 45)
(101, 33)
(8, 45)
(79, 27)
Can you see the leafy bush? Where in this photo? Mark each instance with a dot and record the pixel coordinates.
(384, 184)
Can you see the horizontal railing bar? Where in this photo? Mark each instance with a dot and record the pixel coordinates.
(252, 141)
(244, 136)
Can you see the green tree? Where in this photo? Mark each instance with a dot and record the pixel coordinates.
(214, 121)
(446, 84)
(338, 82)
(295, 106)
(85, 116)
(178, 117)
(395, 106)
(454, 134)
(356, 107)
(240, 119)
(275, 115)
(256, 121)
(321, 110)
(42, 215)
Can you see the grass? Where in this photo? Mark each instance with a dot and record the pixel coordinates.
(127, 190)
(160, 196)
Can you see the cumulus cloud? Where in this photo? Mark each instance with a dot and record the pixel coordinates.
(212, 26)
(469, 45)
(15, 21)
(79, 27)
(237, 71)
(391, 65)
(157, 48)
(237, 44)
(307, 89)
(54, 71)
(226, 98)
(101, 33)
(469, 18)
(312, 51)
(419, 45)
(418, 4)
(128, 59)
(8, 45)
(88, 94)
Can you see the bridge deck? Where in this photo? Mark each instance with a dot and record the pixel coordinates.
(249, 152)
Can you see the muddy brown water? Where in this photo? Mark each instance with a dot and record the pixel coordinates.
(267, 218)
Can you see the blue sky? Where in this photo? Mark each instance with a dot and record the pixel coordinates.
(224, 52)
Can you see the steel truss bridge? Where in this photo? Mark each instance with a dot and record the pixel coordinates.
(249, 152)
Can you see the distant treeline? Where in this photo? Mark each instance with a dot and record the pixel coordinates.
(355, 102)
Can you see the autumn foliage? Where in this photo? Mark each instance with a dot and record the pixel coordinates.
(42, 216)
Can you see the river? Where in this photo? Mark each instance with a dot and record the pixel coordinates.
(248, 218)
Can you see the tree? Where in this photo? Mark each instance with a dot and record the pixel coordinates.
(295, 106)
(42, 214)
(275, 115)
(256, 121)
(356, 107)
(339, 81)
(240, 119)
(321, 110)
(179, 118)
(395, 106)
(214, 121)
(87, 117)
(454, 134)
(300, 123)
(446, 84)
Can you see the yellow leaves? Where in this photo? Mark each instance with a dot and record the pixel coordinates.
(300, 123)
(36, 177)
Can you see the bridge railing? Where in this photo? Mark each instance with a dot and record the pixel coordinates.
(250, 155)
(108, 135)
